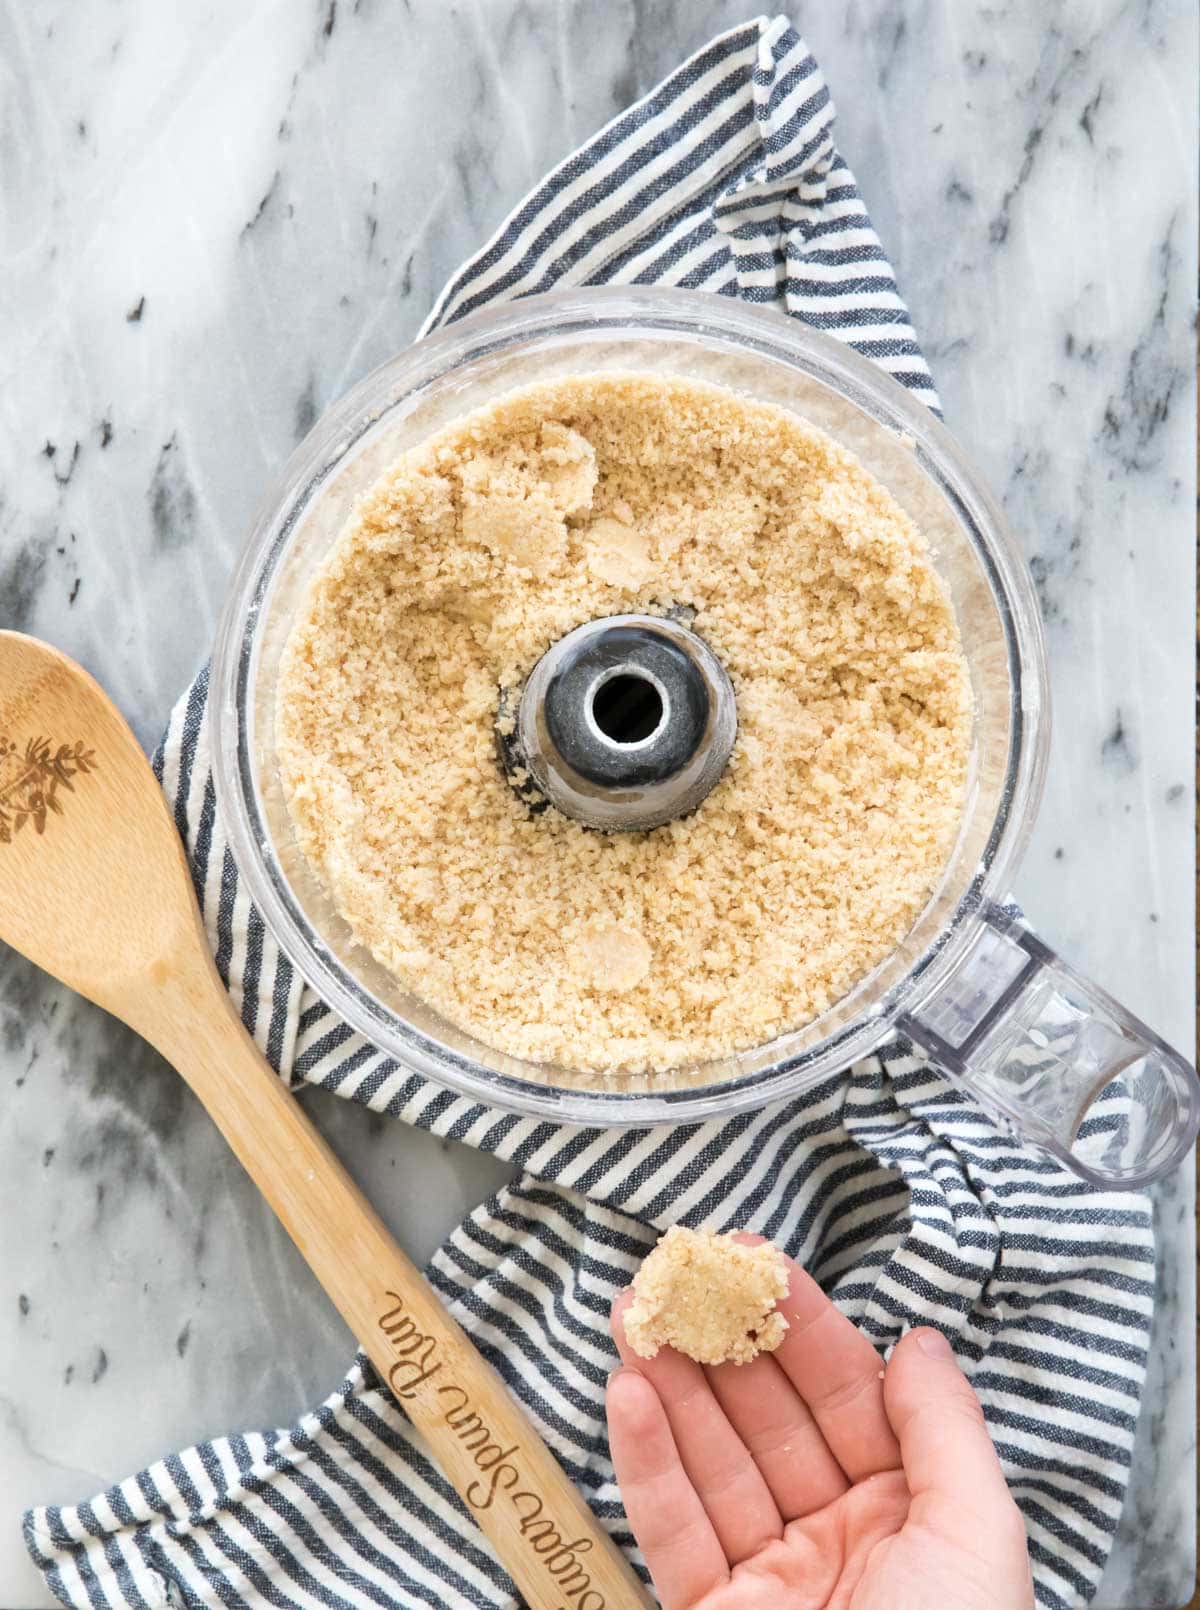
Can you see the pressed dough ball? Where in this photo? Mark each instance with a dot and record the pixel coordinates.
(708, 1296)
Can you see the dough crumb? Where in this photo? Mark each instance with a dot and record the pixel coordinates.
(708, 1296)
(618, 554)
(569, 466)
(613, 956)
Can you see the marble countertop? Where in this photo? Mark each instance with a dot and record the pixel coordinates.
(212, 221)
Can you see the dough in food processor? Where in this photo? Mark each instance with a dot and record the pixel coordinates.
(709, 1296)
(630, 953)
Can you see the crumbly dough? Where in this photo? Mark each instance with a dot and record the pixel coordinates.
(708, 1296)
(646, 952)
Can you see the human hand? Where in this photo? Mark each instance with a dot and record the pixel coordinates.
(813, 1478)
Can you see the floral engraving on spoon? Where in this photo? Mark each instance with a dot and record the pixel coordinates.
(30, 781)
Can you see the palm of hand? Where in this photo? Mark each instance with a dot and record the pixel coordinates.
(811, 1479)
(860, 1553)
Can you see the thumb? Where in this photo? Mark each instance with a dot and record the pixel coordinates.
(945, 1448)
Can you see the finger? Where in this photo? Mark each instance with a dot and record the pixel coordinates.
(784, 1440)
(718, 1463)
(838, 1373)
(950, 1465)
(675, 1534)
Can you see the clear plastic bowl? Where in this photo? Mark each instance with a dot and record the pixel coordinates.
(1041, 1048)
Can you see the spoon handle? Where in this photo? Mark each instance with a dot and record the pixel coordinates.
(540, 1527)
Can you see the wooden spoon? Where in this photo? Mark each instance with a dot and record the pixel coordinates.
(95, 888)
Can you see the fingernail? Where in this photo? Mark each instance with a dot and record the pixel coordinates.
(935, 1344)
(612, 1375)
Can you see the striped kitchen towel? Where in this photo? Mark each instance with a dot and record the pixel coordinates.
(906, 1202)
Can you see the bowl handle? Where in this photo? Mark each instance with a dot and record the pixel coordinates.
(1053, 1056)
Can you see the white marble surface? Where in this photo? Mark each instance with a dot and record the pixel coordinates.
(214, 218)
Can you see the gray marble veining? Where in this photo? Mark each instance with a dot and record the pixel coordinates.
(212, 221)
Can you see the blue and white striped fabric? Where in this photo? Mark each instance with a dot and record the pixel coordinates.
(903, 1200)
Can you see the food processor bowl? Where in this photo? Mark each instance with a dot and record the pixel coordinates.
(1043, 1050)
